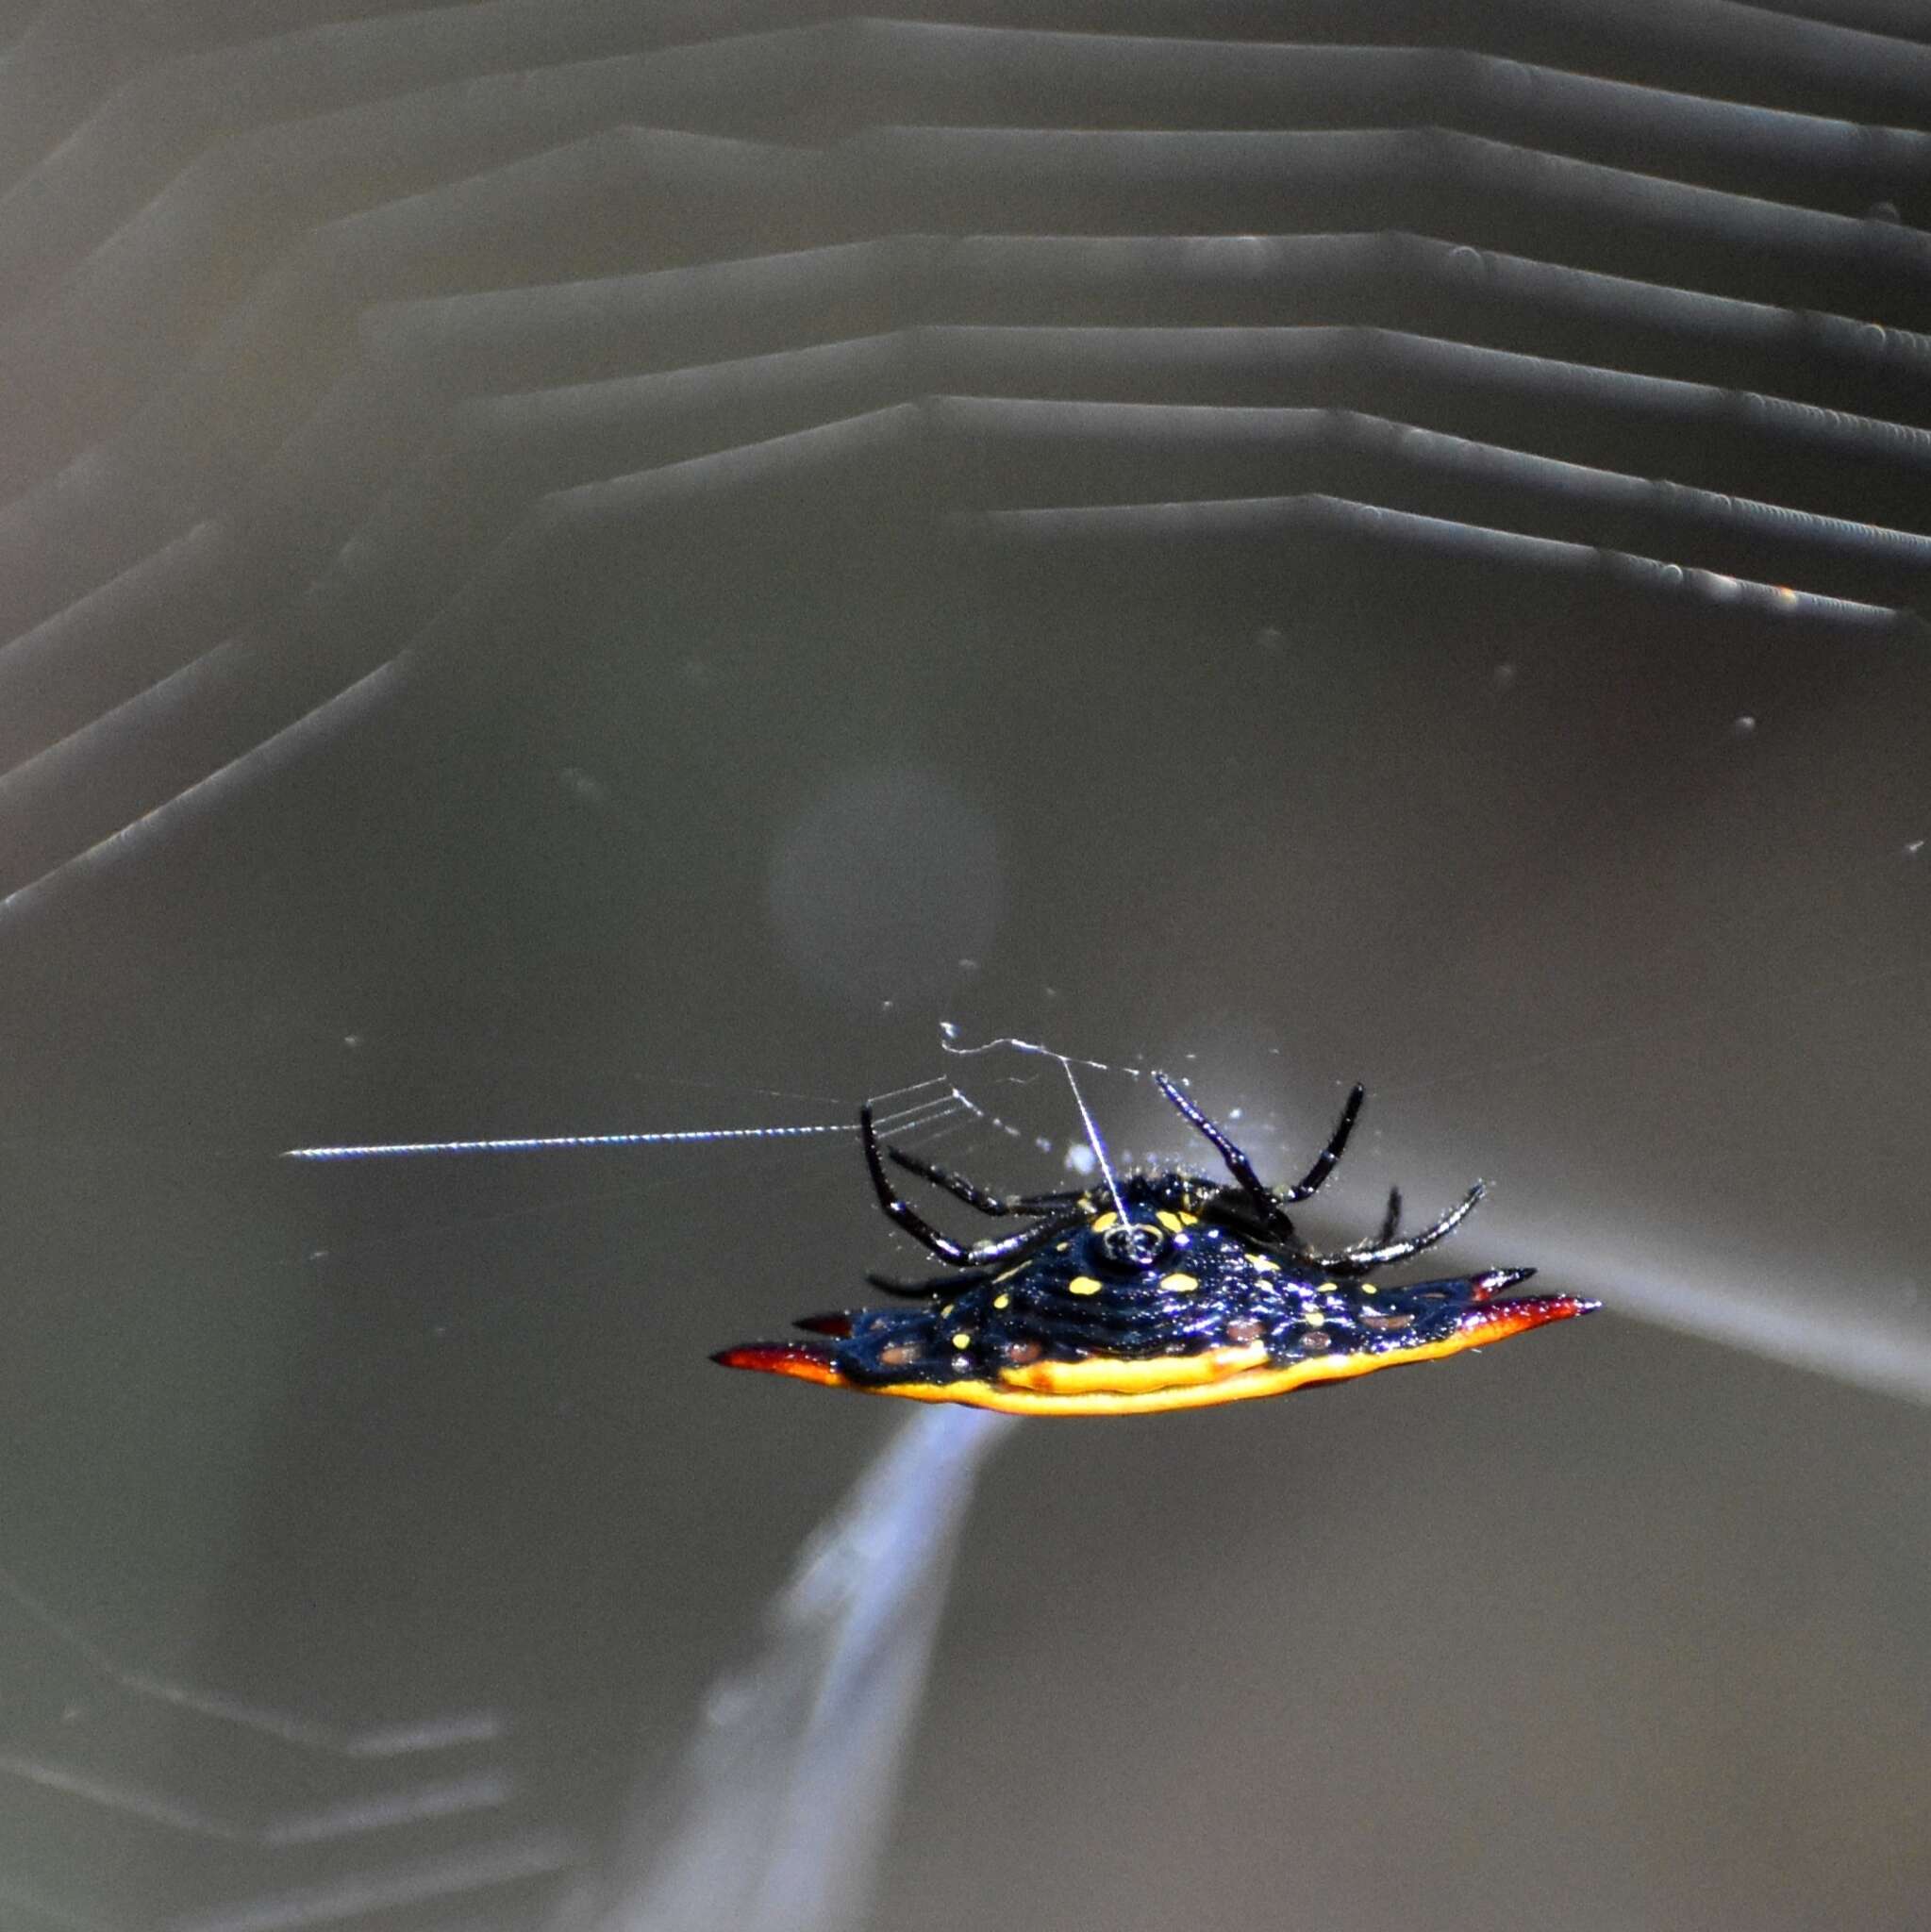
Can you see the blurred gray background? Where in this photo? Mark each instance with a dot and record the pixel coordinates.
(579, 566)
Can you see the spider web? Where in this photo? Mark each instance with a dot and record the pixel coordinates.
(1344, 413)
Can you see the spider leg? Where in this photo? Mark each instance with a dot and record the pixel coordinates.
(1337, 1141)
(1391, 1220)
(1236, 1163)
(931, 1289)
(975, 1196)
(903, 1214)
(1380, 1254)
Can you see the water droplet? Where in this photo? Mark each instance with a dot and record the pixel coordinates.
(1744, 724)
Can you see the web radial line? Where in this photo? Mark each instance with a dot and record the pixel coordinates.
(1093, 1140)
(542, 1143)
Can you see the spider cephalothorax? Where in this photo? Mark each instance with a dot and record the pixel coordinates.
(1161, 1290)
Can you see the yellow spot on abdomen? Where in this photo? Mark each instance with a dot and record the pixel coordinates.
(1105, 1222)
(962, 1340)
(1002, 1301)
(1083, 1283)
(1170, 1221)
(1179, 1284)
(1265, 1263)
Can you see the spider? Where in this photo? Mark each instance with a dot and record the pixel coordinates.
(1166, 1291)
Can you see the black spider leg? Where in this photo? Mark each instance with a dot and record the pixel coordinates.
(1391, 1220)
(1268, 1200)
(1381, 1252)
(978, 1254)
(930, 1291)
(1337, 1144)
(975, 1196)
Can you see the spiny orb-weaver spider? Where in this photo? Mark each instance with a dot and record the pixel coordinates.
(1168, 1291)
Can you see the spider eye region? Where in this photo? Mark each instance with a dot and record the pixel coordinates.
(1128, 1247)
